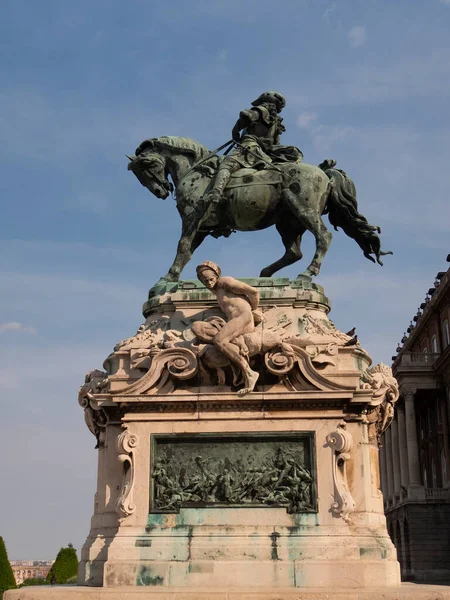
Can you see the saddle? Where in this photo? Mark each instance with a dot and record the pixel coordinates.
(247, 177)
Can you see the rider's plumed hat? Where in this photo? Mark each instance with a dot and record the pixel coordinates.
(273, 97)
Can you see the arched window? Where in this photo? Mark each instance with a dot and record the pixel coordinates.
(434, 346)
(433, 474)
(406, 552)
(443, 468)
(398, 543)
(425, 478)
(446, 334)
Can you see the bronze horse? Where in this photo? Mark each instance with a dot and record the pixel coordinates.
(293, 196)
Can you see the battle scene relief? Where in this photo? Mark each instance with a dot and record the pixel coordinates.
(223, 471)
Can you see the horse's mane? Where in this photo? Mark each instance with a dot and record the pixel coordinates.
(172, 142)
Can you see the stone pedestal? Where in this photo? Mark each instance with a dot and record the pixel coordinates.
(201, 488)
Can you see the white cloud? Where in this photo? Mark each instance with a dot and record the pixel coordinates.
(445, 2)
(326, 137)
(329, 10)
(15, 326)
(357, 36)
(306, 119)
(415, 76)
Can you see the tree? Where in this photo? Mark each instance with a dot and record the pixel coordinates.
(33, 581)
(7, 580)
(65, 565)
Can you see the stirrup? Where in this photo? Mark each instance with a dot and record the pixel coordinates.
(214, 196)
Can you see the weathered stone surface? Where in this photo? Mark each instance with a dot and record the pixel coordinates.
(407, 591)
(158, 389)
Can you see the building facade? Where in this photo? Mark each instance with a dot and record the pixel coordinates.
(27, 569)
(415, 452)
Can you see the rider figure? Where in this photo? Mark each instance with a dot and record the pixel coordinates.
(259, 144)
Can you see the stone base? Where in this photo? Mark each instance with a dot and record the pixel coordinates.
(407, 591)
(202, 488)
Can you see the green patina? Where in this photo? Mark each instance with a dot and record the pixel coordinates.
(259, 183)
(145, 577)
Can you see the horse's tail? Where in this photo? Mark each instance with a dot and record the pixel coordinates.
(342, 209)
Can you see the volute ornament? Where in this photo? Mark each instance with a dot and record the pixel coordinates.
(341, 443)
(126, 443)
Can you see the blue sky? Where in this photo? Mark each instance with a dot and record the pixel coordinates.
(83, 83)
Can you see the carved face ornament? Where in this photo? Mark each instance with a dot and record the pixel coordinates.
(208, 278)
(208, 273)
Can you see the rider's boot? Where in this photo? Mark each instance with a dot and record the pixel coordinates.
(220, 183)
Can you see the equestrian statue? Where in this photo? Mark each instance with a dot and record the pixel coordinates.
(257, 183)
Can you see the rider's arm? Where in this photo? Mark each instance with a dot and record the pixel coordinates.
(239, 287)
(246, 117)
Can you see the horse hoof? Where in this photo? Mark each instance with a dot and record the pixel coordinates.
(161, 287)
(264, 273)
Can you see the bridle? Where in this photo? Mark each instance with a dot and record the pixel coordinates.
(165, 183)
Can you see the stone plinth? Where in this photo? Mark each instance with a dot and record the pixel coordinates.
(202, 488)
(407, 591)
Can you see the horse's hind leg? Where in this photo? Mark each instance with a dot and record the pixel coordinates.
(291, 239)
(311, 220)
(323, 240)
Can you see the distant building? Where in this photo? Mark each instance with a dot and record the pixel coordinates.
(26, 569)
(415, 453)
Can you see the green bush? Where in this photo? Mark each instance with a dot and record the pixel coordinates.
(7, 580)
(65, 565)
(33, 581)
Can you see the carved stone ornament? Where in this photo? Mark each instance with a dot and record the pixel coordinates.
(341, 443)
(126, 443)
(287, 344)
(95, 417)
(380, 412)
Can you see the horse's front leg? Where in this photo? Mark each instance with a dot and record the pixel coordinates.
(185, 247)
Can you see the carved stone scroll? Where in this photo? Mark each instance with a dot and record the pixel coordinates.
(125, 444)
(341, 442)
(179, 363)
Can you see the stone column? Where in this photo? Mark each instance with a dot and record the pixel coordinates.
(403, 451)
(383, 473)
(389, 471)
(415, 489)
(395, 458)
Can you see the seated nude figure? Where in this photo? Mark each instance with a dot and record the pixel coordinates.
(239, 302)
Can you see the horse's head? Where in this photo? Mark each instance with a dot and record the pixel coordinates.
(150, 169)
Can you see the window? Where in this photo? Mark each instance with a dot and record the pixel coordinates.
(424, 475)
(438, 413)
(443, 468)
(434, 346)
(433, 473)
(446, 334)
